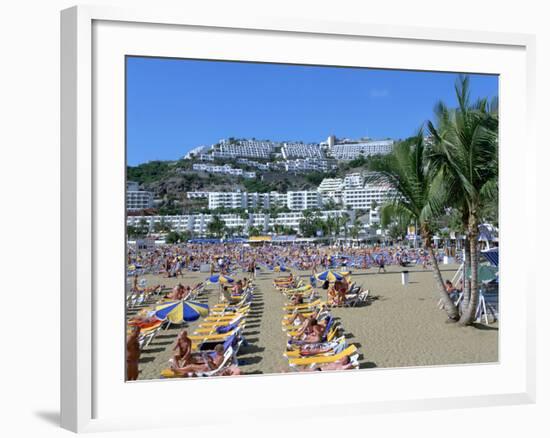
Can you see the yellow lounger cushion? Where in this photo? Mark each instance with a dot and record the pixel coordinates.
(317, 302)
(296, 353)
(215, 337)
(212, 330)
(167, 373)
(219, 322)
(323, 359)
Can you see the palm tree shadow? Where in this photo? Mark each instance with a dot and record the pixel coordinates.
(480, 326)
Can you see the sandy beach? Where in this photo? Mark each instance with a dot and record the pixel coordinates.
(401, 327)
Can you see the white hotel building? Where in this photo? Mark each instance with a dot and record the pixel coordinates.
(245, 148)
(351, 150)
(197, 224)
(362, 198)
(225, 169)
(331, 188)
(294, 200)
(137, 199)
(303, 200)
(301, 150)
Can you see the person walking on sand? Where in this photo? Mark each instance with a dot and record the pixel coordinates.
(133, 353)
(381, 264)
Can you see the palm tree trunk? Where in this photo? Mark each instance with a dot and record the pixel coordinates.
(467, 264)
(450, 308)
(469, 313)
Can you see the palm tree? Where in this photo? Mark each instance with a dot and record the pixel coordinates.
(143, 227)
(254, 231)
(216, 226)
(465, 148)
(356, 229)
(420, 194)
(345, 223)
(330, 224)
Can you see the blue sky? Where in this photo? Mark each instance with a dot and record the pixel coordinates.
(174, 105)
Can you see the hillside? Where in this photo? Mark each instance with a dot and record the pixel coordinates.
(171, 180)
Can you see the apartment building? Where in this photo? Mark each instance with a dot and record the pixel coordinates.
(137, 199)
(301, 150)
(245, 148)
(303, 200)
(225, 169)
(363, 198)
(197, 224)
(350, 150)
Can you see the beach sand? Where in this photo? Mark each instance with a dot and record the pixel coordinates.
(401, 327)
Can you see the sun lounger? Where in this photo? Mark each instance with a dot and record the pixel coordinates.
(328, 327)
(353, 300)
(220, 329)
(225, 316)
(228, 357)
(293, 307)
(321, 359)
(324, 348)
(219, 322)
(198, 339)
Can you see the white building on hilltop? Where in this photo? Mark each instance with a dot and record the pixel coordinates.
(245, 148)
(301, 150)
(351, 150)
(225, 169)
(196, 152)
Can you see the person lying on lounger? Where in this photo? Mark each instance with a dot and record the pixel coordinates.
(311, 331)
(342, 364)
(298, 319)
(210, 363)
(316, 349)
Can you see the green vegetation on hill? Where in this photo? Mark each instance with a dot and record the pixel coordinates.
(149, 172)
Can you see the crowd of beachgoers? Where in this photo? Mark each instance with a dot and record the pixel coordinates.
(175, 259)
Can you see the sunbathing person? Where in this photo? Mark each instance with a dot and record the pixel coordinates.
(183, 347)
(341, 287)
(238, 288)
(341, 364)
(316, 349)
(209, 363)
(296, 319)
(311, 331)
(133, 353)
(332, 296)
(232, 370)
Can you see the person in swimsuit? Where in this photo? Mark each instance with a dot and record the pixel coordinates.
(209, 364)
(133, 353)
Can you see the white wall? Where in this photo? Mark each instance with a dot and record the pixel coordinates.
(29, 169)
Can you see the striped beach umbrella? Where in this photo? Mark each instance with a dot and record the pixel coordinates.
(179, 311)
(330, 276)
(219, 278)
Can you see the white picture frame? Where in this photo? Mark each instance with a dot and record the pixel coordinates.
(93, 38)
